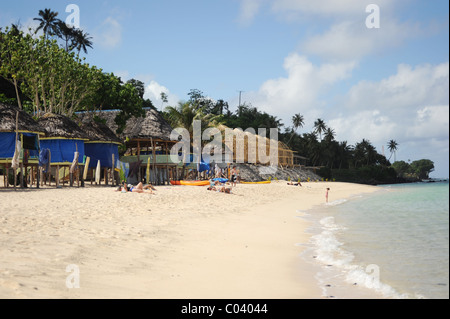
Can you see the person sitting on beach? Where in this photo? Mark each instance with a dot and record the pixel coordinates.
(224, 189)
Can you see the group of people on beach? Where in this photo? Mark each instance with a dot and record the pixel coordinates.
(217, 186)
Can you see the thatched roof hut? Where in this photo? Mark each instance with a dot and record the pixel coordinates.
(96, 131)
(60, 126)
(63, 138)
(26, 122)
(29, 131)
(152, 125)
(147, 144)
(102, 144)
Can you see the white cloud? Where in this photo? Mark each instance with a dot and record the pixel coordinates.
(326, 8)
(411, 107)
(409, 87)
(153, 92)
(109, 34)
(350, 40)
(248, 10)
(301, 90)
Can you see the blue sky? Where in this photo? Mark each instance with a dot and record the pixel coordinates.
(316, 58)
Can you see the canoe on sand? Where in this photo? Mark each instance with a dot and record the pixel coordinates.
(264, 182)
(194, 183)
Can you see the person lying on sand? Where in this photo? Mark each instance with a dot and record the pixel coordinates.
(294, 184)
(139, 188)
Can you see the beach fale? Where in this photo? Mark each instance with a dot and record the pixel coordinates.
(103, 145)
(146, 138)
(18, 125)
(64, 138)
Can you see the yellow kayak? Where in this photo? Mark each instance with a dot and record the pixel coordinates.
(264, 182)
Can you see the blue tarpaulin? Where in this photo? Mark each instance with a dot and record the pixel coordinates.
(102, 152)
(8, 143)
(63, 150)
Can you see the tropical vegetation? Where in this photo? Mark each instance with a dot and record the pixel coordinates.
(46, 73)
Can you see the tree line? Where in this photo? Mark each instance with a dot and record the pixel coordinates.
(360, 162)
(46, 74)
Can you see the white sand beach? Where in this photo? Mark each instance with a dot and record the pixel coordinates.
(183, 242)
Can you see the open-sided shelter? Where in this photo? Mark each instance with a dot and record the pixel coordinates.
(147, 146)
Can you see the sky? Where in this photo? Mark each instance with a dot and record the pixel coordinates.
(375, 72)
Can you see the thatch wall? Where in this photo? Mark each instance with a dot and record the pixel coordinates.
(251, 146)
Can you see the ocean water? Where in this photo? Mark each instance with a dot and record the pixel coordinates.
(393, 243)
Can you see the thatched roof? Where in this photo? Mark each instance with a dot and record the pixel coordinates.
(96, 131)
(25, 123)
(56, 125)
(153, 125)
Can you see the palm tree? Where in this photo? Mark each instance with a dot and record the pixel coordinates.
(48, 22)
(329, 135)
(81, 40)
(65, 33)
(393, 146)
(298, 121)
(319, 127)
(344, 153)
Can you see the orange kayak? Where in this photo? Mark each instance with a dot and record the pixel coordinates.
(194, 183)
(175, 182)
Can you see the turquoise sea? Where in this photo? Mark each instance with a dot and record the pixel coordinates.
(393, 243)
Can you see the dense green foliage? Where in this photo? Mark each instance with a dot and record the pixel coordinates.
(41, 75)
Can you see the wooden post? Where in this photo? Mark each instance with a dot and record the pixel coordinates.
(154, 160)
(77, 171)
(17, 134)
(49, 173)
(105, 173)
(64, 175)
(57, 176)
(113, 171)
(139, 159)
(7, 175)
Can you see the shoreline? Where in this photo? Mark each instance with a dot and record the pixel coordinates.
(182, 243)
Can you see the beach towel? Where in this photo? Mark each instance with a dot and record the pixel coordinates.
(15, 164)
(221, 180)
(75, 162)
